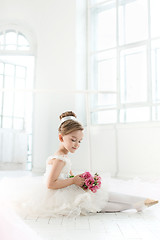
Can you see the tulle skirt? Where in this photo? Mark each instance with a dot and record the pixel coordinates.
(30, 196)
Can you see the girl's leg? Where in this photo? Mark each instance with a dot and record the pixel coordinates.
(120, 202)
(115, 207)
(125, 198)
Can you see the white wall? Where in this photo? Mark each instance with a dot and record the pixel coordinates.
(127, 150)
(139, 150)
(103, 149)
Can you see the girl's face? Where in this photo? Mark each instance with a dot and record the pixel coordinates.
(72, 141)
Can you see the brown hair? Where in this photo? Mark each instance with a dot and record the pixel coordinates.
(69, 125)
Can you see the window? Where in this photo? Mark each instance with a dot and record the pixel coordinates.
(12, 103)
(13, 40)
(16, 76)
(124, 55)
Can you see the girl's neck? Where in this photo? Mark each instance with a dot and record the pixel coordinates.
(62, 150)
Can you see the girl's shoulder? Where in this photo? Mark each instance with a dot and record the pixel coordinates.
(59, 157)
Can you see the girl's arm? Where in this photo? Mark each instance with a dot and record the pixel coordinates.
(55, 183)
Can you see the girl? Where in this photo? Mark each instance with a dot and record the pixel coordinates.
(57, 194)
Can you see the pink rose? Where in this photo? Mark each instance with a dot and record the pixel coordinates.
(86, 175)
(89, 181)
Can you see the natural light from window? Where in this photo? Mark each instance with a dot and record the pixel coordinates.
(124, 57)
(16, 82)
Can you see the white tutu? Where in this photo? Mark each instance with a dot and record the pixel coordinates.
(30, 195)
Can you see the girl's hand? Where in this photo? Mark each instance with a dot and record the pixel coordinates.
(78, 180)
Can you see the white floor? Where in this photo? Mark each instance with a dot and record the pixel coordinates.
(101, 226)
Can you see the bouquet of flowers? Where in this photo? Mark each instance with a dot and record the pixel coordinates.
(92, 183)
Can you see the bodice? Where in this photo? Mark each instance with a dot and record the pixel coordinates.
(65, 170)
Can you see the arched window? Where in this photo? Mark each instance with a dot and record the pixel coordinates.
(17, 58)
(13, 40)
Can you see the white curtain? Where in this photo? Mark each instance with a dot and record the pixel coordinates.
(13, 146)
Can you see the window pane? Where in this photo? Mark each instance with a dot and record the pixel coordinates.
(133, 21)
(107, 74)
(11, 40)
(0, 102)
(19, 105)
(11, 47)
(104, 117)
(104, 71)
(105, 32)
(1, 86)
(1, 68)
(8, 104)
(29, 163)
(11, 37)
(18, 124)
(96, 1)
(9, 82)
(156, 70)
(23, 48)
(1, 81)
(156, 113)
(20, 72)
(29, 159)
(1, 41)
(20, 83)
(106, 99)
(7, 122)
(155, 18)
(22, 41)
(134, 115)
(28, 112)
(29, 144)
(9, 69)
(133, 75)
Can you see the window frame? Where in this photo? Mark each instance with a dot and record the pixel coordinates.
(118, 48)
(19, 30)
(12, 116)
(28, 34)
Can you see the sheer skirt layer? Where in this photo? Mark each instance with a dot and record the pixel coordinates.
(30, 196)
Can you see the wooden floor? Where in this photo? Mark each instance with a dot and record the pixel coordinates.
(101, 226)
(126, 225)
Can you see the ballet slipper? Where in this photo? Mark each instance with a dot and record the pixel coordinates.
(147, 203)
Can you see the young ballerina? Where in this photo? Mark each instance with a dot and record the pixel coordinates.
(70, 136)
(57, 194)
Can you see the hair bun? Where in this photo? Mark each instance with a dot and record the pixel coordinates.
(66, 114)
(70, 124)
